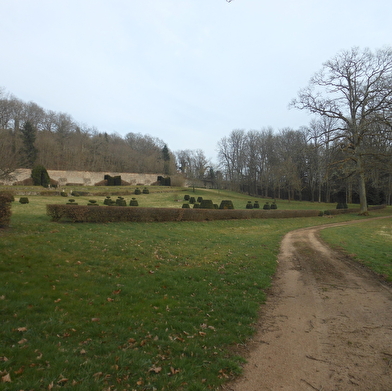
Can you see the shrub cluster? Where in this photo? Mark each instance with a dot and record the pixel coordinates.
(24, 200)
(5, 208)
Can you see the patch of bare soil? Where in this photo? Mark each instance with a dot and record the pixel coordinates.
(327, 324)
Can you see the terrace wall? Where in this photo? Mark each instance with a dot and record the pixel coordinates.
(86, 178)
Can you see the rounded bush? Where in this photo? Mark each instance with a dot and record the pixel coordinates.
(146, 191)
(23, 200)
(185, 206)
(256, 205)
(121, 202)
(138, 191)
(226, 204)
(274, 206)
(249, 205)
(206, 204)
(267, 206)
(192, 200)
(133, 202)
(199, 199)
(186, 197)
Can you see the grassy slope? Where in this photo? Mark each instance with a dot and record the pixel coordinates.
(133, 306)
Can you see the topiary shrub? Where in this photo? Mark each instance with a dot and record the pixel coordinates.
(274, 206)
(23, 200)
(256, 205)
(107, 201)
(196, 206)
(206, 204)
(71, 202)
(192, 200)
(137, 191)
(185, 206)
(146, 191)
(249, 205)
(92, 203)
(133, 202)
(226, 204)
(199, 199)
(40, 176)
(186, 197)
(121, 202)
(267, 206)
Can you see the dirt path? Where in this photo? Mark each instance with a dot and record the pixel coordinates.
(327, 324)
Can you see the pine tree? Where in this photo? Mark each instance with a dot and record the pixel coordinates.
(29, 151)
(166, 160)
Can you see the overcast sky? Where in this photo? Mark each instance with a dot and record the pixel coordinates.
(185, 71)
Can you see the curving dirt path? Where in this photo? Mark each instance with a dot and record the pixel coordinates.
(327, 324)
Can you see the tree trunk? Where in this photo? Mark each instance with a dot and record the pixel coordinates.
(362, 194)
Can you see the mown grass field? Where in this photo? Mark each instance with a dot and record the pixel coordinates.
(125, 306)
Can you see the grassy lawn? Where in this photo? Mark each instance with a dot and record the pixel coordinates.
(125, 306)
(369, 243)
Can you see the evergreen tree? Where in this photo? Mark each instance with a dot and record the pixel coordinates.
(166, 160)
(29, 151)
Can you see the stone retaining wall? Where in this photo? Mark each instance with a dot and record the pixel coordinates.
(86, 178)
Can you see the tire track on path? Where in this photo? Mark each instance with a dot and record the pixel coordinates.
(326, 325)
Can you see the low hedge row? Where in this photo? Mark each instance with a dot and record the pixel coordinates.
(101, 214)
(105, 214)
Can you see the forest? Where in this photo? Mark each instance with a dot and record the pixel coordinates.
(344, 155)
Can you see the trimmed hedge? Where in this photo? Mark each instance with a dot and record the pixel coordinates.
(104, 214)
(5, 208)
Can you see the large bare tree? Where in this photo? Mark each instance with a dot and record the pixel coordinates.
(355, 89)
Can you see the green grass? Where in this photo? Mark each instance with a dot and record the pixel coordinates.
(370, 243)
(127, 306)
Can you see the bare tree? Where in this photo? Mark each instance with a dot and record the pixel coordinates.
(8, 160)
(355, 89)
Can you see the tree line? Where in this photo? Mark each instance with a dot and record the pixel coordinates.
(343, 155)
(31, 135)
(346, 150)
